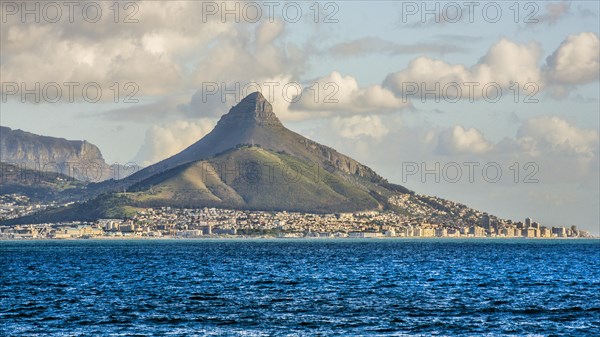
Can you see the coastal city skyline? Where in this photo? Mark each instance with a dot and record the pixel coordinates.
(175, 223)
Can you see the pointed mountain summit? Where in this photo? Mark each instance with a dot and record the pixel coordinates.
(253, 109)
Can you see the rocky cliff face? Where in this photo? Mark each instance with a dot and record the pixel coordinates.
(78, 159)
(253, 110)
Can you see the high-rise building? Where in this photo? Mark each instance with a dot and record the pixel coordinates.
(485, 221)
(545, 232)
(527, 222)
(560, 232)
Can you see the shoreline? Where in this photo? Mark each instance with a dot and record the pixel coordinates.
(272, 238)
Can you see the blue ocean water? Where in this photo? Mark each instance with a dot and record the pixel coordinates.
(300, 288)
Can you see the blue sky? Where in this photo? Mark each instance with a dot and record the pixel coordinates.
(370, 54)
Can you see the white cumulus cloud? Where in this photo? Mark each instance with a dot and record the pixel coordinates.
(170, 49)
(357, 126)
(545, 135)
(337, 93)
(163, 141)
(459, 140)
(576, 61)
(505, 62)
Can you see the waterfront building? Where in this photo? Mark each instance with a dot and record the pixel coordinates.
(476, 231)
(485, 221)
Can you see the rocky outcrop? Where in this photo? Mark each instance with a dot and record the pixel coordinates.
(254, 109)
(77, 159)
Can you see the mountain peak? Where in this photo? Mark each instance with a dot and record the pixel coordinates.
(253, 109)
(255, 97)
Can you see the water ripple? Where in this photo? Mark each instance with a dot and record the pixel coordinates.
(300, 288)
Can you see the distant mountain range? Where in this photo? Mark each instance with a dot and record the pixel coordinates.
(73, 158)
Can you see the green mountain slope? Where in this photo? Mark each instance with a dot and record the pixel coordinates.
(255, 178)
(39, 186)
